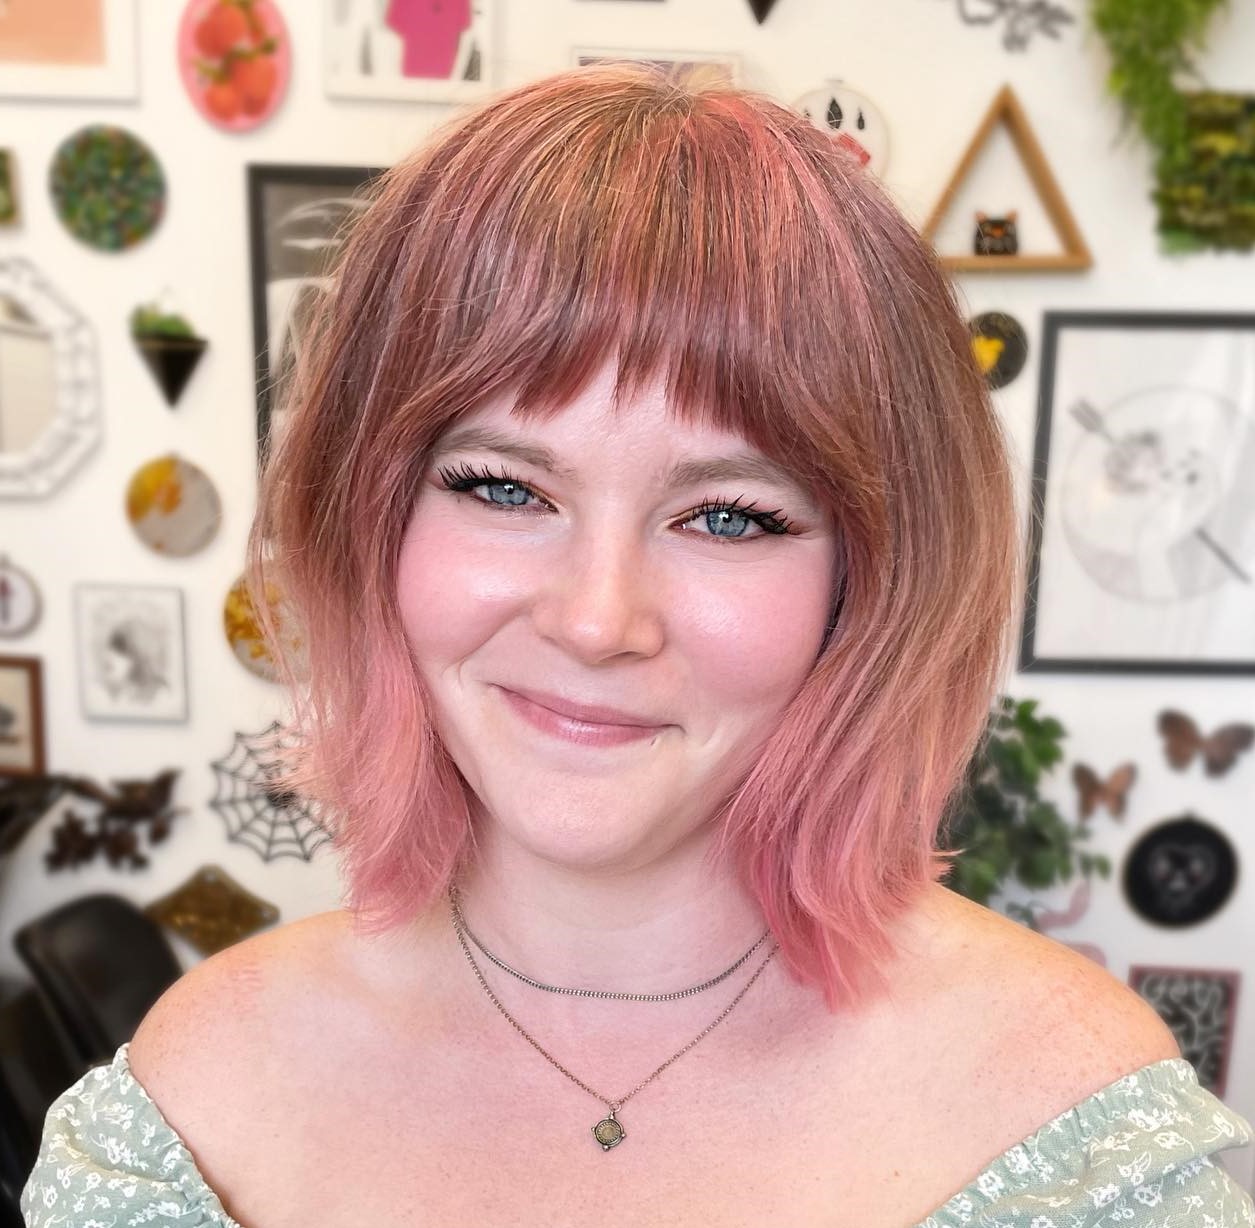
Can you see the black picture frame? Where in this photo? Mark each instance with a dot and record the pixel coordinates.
(273, 191)
(1162, 380)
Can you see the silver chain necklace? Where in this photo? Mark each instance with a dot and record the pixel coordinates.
(609, 1131)
(602, 993)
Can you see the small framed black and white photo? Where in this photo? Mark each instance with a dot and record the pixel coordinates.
(131, 656)
(1142, 535)
(21, 717)
(299, 217)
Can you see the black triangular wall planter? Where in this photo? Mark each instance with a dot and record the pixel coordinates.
(762, 8)
(172, 361)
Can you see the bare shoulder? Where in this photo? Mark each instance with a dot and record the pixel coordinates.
(226, 1029)
(1030, 1015)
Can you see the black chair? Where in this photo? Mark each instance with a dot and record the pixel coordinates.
(35, 1068)
(100, 963)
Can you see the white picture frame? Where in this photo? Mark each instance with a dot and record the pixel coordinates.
(675, 60)
(132, 663)
(364, 58)
(114, 79)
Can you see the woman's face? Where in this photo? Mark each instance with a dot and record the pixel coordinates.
(594, 582)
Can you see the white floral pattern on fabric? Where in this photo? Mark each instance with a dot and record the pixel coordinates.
(109, 1159)
(1136, 1154)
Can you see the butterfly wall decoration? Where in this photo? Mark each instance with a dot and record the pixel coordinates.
(1219, 750)
(1112, 792)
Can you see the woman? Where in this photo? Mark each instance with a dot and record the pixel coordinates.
(653, 539)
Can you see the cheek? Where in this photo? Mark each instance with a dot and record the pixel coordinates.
(755, 640)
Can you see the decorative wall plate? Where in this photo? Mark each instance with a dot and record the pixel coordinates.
(107, 187)
(235, 58)
(20, 603)
(173, 506)
(1180, 872)
(852, 118)
(244, 631)
(999, 345)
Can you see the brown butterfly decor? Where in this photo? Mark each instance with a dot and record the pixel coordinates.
(1182, 741)
(1112, 792)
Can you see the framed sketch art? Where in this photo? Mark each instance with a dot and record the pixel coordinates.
(1143, 528)
(725, 66)
(21, 717)
(298, 219)
(131, 662)
(68, 49)
(409, 50)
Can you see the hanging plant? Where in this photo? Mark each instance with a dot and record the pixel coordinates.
(1004, 826)
(1203, 141)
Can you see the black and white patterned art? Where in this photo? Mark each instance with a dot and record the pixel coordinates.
(1198, 1005)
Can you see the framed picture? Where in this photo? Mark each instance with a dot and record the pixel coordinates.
(298, 218)
(9, 213)
(21, 717)
(71, 49)
(409, 52)
(1199, 1005)
(131, 657)
(1142, 550)
(727, 66)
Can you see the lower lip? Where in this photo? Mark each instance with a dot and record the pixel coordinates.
(572, 730)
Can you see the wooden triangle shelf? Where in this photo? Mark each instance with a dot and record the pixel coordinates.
(1075, 256)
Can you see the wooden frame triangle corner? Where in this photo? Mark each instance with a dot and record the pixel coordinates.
(1075, 256)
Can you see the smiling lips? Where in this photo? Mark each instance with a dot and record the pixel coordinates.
(590, 725)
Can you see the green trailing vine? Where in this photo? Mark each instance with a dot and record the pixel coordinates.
(1004, 826)
(1203, 142)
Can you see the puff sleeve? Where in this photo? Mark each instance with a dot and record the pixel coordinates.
(108, 1159)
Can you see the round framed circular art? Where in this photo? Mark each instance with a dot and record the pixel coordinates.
(999, 345)
(107, 187)
(1180, 872)
(173, 506)
(235, 58)
(20, 602)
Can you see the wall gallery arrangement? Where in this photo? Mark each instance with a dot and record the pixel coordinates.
(1142, 548)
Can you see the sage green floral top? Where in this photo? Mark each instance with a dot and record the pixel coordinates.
(1137, 1154)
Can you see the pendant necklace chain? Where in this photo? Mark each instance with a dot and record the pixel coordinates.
(609, 1131)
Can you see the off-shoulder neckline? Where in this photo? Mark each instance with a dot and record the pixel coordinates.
(1179, 1065)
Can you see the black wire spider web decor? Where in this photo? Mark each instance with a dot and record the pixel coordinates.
(258, 810)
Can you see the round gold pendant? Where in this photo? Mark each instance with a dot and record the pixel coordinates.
(608, 1132)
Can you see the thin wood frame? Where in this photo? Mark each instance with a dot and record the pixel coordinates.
(32, 667)
(1006, 109)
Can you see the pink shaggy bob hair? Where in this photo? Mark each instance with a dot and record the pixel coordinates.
(711, 236)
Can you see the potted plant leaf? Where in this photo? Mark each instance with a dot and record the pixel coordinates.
(169, 347)
(1005, 827)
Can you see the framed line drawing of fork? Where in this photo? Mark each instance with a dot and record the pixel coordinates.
(1142, 530)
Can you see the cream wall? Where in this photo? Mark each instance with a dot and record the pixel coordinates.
(932, 78)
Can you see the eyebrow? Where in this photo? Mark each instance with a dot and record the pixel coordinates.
(689, 471)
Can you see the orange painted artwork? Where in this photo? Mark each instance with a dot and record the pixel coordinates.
(69, 32)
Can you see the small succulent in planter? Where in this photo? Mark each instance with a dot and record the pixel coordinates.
(169, 347)
(1004, 826)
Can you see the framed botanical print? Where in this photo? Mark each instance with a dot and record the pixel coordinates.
(727, 65)
(131, 656)
(1142, 537)
(21, 717)
(68, 49)
(298, 218)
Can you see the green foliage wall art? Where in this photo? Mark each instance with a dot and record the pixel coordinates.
(1203, 140)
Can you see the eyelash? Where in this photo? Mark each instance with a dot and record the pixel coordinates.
(465, 478)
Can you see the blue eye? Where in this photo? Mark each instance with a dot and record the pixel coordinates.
(727, 512)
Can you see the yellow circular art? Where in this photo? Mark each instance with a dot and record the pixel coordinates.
(243, 629)
(173, 506)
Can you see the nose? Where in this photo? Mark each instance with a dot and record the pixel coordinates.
(601, 598)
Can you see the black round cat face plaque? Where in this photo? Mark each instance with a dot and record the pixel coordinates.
(999, 345)
(1180, 872)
